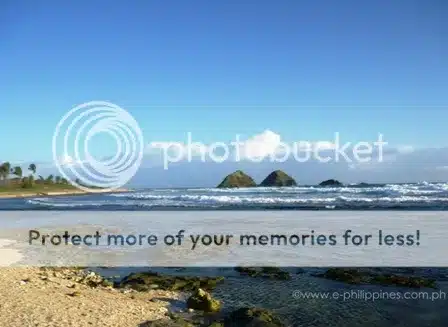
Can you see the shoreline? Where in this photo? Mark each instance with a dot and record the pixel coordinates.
(54, 297)
(9, 257)
(31, 194)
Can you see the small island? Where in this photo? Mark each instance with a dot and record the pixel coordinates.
(278, 178)
(237, 179)
(331, 183)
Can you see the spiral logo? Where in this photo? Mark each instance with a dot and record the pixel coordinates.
(72, 145)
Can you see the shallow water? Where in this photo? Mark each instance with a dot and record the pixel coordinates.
(237, 291)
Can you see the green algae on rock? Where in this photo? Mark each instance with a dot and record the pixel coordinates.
(358, 276)
(203, 301)
(237, 179)
(167, 323)
(146, 281)
(278, 178)
(253, 317)
(242, 317)
(264, 272)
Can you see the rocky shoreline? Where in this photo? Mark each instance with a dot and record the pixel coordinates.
(79, 297)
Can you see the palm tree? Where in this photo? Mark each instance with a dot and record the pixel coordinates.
(33, 168)
(17, 171)
(4, 170)
(28, 182)
(49, 179)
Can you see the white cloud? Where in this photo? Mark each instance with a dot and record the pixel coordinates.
(68, 161)
(270, 143)
(261, 145)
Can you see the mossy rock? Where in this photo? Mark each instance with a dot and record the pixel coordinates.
(203, 301)
(237, 179)
(149, 280)
(167, 323)
(278, 178)
(331, 183)
(357, 276)
(264, 272)
(405, 281)
(253, 317)
(216, 324)
(102, 282)
(349, 276)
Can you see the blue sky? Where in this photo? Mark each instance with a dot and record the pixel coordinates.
(303, 69)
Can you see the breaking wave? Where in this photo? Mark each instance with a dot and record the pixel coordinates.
(398, 196)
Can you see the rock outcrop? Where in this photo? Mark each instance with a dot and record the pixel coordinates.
(237, 179)
(167, 323)
(243, 317)
(359, 276)
(264, 272)
(146, 281)
(331, 183)
(278, 178)
(253, 317)
(203, 301)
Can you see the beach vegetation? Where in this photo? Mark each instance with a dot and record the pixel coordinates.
(17, 170)
(13, 181)
(32, 167)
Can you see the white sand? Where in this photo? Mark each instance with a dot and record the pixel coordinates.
(8, 257)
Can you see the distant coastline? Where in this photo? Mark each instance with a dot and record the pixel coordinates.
(36, 193)
(14, 183)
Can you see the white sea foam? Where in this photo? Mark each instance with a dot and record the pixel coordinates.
(425, 194)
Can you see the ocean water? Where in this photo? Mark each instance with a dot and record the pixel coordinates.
(239, 291)
(416, 196)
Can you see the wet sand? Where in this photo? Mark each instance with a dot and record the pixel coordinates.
(8, 256)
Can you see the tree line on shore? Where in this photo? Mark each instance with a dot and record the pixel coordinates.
(14, 175)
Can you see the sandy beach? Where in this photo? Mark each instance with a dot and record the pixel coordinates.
(46, 297)
(8, 256)
(27, 194)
